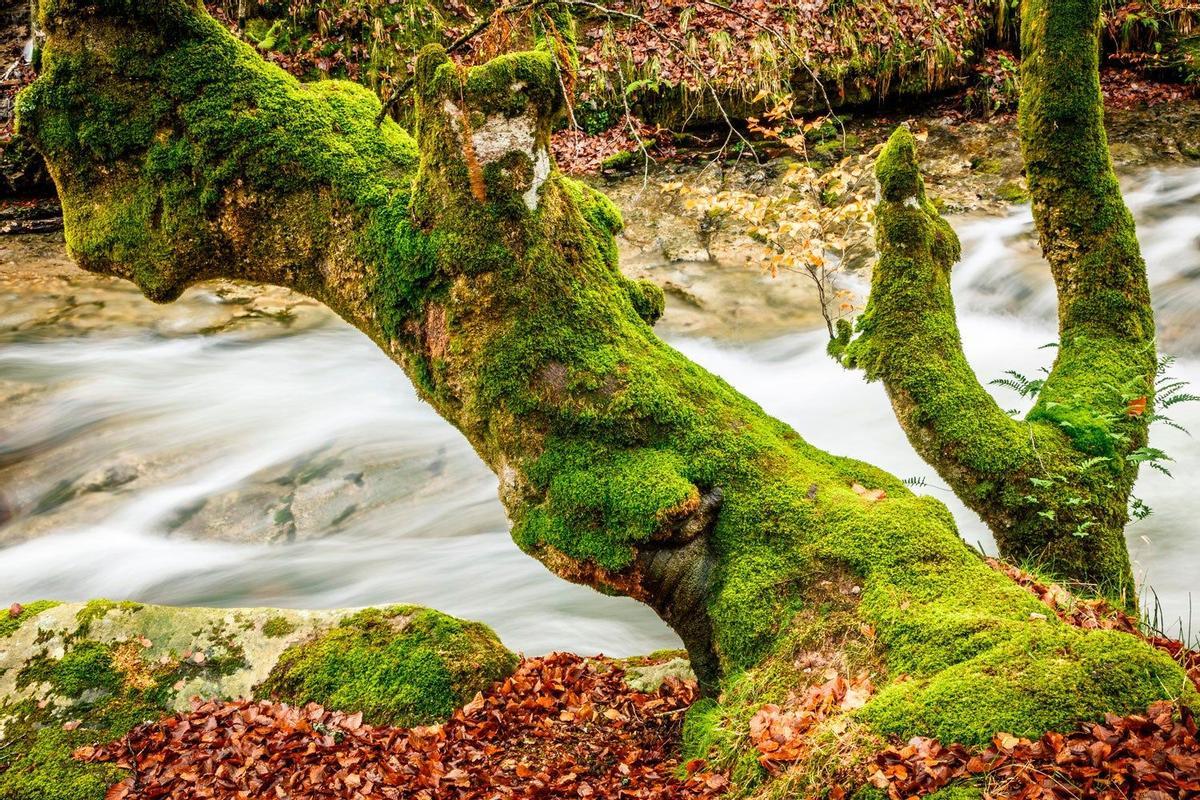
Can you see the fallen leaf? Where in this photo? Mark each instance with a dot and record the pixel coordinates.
(870, 495)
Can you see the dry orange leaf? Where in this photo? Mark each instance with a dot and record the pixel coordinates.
(870, 495)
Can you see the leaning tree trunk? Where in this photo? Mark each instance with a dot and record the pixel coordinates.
(1055, 486)
(492, 280)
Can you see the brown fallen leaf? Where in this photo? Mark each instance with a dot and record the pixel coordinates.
(870, 495)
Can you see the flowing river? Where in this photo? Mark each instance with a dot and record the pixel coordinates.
(297, 468)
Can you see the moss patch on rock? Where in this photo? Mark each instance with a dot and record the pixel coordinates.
(402, 665)
(10, 623)
(278, 626)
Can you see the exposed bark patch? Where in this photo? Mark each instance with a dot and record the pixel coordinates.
(693, 518)
(500, 135)
(551, 378)
(434, 331)
(676, 581)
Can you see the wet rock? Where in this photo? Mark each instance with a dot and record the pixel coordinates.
(109, 477)
(649, 677)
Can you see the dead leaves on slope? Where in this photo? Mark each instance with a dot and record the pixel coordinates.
(781, 733)
(1155, 756)
(1098, 614)
(560, 727)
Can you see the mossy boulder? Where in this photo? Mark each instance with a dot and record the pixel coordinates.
(75, 674)
(403, 665)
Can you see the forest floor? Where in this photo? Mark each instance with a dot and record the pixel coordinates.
(568, 727)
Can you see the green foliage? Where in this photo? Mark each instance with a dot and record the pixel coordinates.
(1026, 387)
(403, 665)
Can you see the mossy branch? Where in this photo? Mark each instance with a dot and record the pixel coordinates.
(1106, 354)
(908, 336)
(1024, 478)
(1054, 488)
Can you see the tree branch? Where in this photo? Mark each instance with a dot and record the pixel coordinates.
(1106, 351)
(1054, 489)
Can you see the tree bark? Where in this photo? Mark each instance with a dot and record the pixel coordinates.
(1055, 486)
(492, 280)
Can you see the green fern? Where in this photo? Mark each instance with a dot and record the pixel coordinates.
(1026, 387)
(1151, 457)
(1139, 509)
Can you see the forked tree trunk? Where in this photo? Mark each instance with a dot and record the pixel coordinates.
(492, 280)
(1055, 486)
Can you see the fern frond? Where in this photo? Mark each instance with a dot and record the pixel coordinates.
(1175, 399)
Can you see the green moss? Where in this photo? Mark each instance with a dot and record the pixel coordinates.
(9, 623)
(648, 300)
(1013, 192)
(958, 791)
(896, 168)
(632, 493)
(277, 627)
(1031, 683)
(839, 146)
(85, 667)
(97, 609)
(40, 767)
(403, 665)
(988, 166)
(622, 161)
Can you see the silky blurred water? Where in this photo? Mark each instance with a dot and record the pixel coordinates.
(226, 415)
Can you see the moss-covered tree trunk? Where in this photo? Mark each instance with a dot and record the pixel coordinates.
(1055, 486)
(492, 280)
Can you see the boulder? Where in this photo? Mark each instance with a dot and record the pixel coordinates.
(74, 674)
